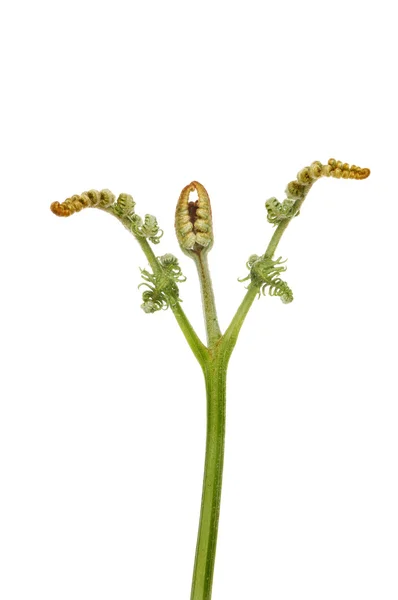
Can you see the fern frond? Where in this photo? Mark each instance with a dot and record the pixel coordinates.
(90, 199)
(297, 190)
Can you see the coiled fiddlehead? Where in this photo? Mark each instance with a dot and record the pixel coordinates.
(148, 228)
(279, 211)
(264, 274)
(91, 199)
(162, 289)
(170, 264)
(298, 189)
(122, 208)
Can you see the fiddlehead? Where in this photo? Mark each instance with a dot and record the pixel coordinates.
(162, 289)
(161, 285)
(264, 274)
(148, 228)
(170, 264)
(297, 190)
(264, 271)
(91, 199)
(279, 211)
(122, 209)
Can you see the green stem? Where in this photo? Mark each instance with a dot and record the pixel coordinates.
(281, 228)
(208, 301)
(149, 253)
(215, 379)
(231, 334)
(198, 348)
(279, 231)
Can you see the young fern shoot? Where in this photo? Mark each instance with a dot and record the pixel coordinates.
(160, 290)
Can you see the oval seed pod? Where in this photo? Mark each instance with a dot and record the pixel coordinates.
(193, 222)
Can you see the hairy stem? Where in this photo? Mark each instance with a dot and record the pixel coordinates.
(279, 231)
(198, 348)
(209, 304)
(231, 334)
(215, 379)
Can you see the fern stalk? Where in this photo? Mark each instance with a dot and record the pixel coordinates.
(194, 230)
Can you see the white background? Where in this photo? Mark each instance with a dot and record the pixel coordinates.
(102, 421)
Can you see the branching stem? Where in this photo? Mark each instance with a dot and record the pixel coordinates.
(231, 334)
(195, 234)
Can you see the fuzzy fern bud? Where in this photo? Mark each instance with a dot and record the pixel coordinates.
(193, 221)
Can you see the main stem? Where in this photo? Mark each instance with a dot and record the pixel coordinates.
(215, 374)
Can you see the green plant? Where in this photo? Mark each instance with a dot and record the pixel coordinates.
(193, 224)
